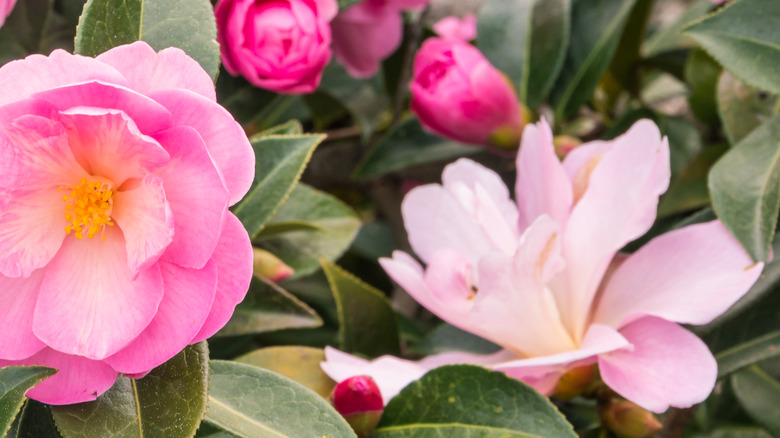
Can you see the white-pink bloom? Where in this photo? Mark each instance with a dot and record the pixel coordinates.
(542, 277)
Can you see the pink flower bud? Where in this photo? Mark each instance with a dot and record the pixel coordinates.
(458, 94)
(269, 267)
(628, 420)
(574, 382)
(454, 27)
(359, 401)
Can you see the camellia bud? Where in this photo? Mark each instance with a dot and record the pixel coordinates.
(565, 144)
(359, 401)
(269, 267)
(628, 420)
(574, 382)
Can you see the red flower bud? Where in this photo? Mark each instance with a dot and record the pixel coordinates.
(359, 401)
(267, 266)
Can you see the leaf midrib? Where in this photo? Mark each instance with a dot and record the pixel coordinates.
(455, 425)
(225, 407)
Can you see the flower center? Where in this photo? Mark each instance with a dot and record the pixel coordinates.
(88, 208)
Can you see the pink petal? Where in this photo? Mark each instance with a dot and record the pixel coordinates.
(542, 185)
(364, 35)
(146, 220)
(233, 258)
(225, 139)
(689, 275)
(197, 196)
(148, 71)
(90, 303)
(668, 366)
(17, 302)
(327, 9)
(78, 379)
(454, 27)
(189, 294)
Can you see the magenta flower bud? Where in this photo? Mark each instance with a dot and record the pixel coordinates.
(270, 267)
(359, 401)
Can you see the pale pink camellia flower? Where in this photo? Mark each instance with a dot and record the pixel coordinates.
(458, 94)
(117, 248)
(280, 45)
(6, 7)
(543, 278)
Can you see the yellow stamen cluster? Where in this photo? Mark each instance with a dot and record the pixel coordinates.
(88, 208)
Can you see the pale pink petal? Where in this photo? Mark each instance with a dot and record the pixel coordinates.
(449, 279)
(17, 302)
(78, 379)
(148, 71)
(233, 258)
(462, 357)
(454, 27)
(364, 35)
(197, 197)
(542, 185)
(90, 303)
(689, 275)
(668, 366)
(225, 139)
(146, 220)
(189, 294)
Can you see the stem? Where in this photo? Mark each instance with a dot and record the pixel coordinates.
(415, 32)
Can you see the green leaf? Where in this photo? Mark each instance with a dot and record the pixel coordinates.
(689, 190)
(748, 353)
(266, 308)
(14, 382)
(287, 227)
(744, 38)
(168, 402)
(738, 432)
(759, 394)
(363, 98)
(27, 23)
(302, 249)
(346, 3)
(301, 364)
(406, 145)
(367, 323)
(279, 163)
(187, 24)
(701, 74)
(744, 186)
(466, 400)
(624, 68)
(251, 402)
(36, 421)
(668, 38)
(447, 337)
(290, 127)
(595, 33)
(742, 108)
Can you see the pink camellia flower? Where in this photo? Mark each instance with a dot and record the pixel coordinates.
(458, 94)
(116, 245)
(543, 278)
(453, 27)
(6, 7)
(368, 32)
(281, 45)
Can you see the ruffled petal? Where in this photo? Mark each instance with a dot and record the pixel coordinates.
(17, 303)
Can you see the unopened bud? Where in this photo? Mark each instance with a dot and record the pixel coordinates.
(267, 266)
(359, 401)
(565, 144)
(628, 420)
(574, 382)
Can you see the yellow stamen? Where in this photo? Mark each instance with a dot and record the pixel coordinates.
(88, 208)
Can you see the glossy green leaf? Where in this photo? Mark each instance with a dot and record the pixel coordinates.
(168, 402)
(669, 38)
(27, 24)
(367, 323)
(266, 308)
(624, 68)
(290, 127)
(466, 400)
(251, 402)
(406, 145)
(301, 364)
(14, 382)
(187, 24)
(759, 395)
(447, 337)
(363, 98)
(742, 108)
(287, 227)
(748, 353)
(36, 421)
(745, 188)
(279, 163)
(702, 74)
(302, 249)
(745, 39)
(595, 33)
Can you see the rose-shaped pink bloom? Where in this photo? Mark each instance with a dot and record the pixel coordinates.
(368, 32)
(281, 45)
(116, 245)
(543, 278)
(6, 7)
(458, 94)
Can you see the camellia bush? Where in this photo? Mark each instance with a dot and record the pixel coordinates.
(389, 218)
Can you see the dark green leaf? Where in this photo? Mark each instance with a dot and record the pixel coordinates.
(595, 33)
(27, 23)
(672, 62)
(738, 432)
(14, 382)
(466, 400)
(759, 394)
(266, 308)
(624, 69)
(291, 127)
(742, 108)
(744, 186)
(251, 402)
(187, 24)
(363, 98)
(668, 37)
(279, 163)
(287, 227)
(367, 323)
(301, 364)
(447, 337)
(701, 74)
(36, 421)
(745, 39)
(302, 249)
(748, 353)
(689, 190)
(406, 145)
(168, 402)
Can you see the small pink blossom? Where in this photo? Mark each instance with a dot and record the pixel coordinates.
(460, 29)
(116, 245)
(543, 278)
(281, 45)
